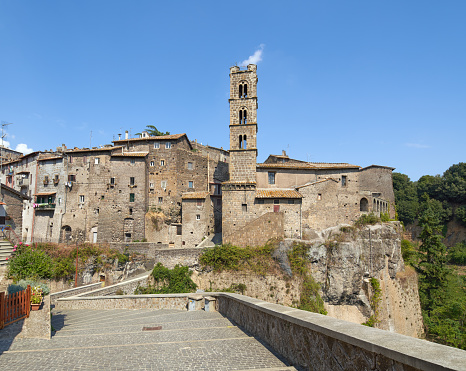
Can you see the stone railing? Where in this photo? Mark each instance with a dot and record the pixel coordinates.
(74, 291)
(307, 340)
(123, 288)
(316, 342)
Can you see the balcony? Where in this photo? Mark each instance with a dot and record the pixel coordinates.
(50, 206)
(23, 182)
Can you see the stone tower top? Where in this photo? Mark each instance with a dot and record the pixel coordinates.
(243, 124)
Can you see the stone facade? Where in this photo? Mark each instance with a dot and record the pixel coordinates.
(312, 196)
(11, 208)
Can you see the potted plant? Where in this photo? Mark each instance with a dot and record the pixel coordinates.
(36, 298)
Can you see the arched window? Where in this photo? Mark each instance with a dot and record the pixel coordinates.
(243, 90)
(240, 142)
(245, 142)
(243, 116)
(363, 204)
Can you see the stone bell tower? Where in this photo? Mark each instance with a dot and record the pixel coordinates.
(238, 194)
(243, 124)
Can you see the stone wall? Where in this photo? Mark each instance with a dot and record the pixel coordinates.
(315, 342)
(198, 221)
(378, 179)
(123, 288)
(153, 302)
(73, 292)
(13, 210)
(259, 231)
(171, 257)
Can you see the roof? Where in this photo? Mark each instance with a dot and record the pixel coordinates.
(130, 154)
(316, 182)
(14, 191)
(308, 165)
(277, 193)
(95, 149)
(2, 203)
(45, 194)
(50, 158)
(380, 166)
(194, 195)
(159, 137)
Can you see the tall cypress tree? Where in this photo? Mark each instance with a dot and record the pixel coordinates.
(432, 266)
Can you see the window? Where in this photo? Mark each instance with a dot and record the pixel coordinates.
(160, 200)
(260, 201)
(46, 179)
(276, 202)
(243, 90)
(112, 181)
(70, 159)
(96, 161)
(271, 177)
(168, 145)
(178, 230)
(130, 211)
(190, 165)
(364, 204)
(131, 180)
(97, 211)
(190, 184)
(163, 184)
(71, 178)
(152, 163)
(242, 115)
(244, 208)
(319, 197)
(131, 197)
(81, 199)
(198, 217)
(157, 145)
(343, 181)
(291, 202)
(162, 162)
(133, 161)
(151, 185)
(199, 203)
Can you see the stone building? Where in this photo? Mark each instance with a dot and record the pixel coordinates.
(305, 196)
(11, 209)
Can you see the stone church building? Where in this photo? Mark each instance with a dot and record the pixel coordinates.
(283, 197)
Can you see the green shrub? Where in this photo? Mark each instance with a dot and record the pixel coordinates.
(457, 254)
(23, 284)
(409, 253)
(169, 281)
(374, 301)
(30, 262)
(366, 219)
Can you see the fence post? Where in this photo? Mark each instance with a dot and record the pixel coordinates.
(2, 310)
(28, 300)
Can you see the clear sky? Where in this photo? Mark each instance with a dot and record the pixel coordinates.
(364, 82)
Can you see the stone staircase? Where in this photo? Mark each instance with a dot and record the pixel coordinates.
(6, 251)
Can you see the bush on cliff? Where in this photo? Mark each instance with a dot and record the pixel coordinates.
(169, 281)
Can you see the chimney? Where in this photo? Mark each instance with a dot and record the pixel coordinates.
(126, 134)
(119, 136)
(283, 153)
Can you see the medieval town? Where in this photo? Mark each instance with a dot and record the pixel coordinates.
(176, 192)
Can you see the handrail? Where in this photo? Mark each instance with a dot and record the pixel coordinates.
(16, 238)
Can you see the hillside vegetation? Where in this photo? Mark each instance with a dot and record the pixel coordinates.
(432, 202)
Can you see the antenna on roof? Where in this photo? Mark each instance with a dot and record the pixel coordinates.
(4, 123)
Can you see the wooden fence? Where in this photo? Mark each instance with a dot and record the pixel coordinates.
(14, 307)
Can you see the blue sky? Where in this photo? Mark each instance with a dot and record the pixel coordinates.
(363, 82)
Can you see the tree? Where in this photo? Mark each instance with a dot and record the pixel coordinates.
(154, 132)
(432, 266)
(407, 204)
(454, 183)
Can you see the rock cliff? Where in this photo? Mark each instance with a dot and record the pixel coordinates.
(343, 260)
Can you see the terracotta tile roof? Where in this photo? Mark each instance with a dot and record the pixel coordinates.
(238, 182)
(277, 193)
(308, 165)
(130, 154)
(2, 203)
(160, 137)
(50, 158)
(45, 193)
(379, 166)
(76, 150)
(194, 195)
(317, 182)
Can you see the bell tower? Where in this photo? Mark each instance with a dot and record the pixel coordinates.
(238, 194)
(243, 124)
